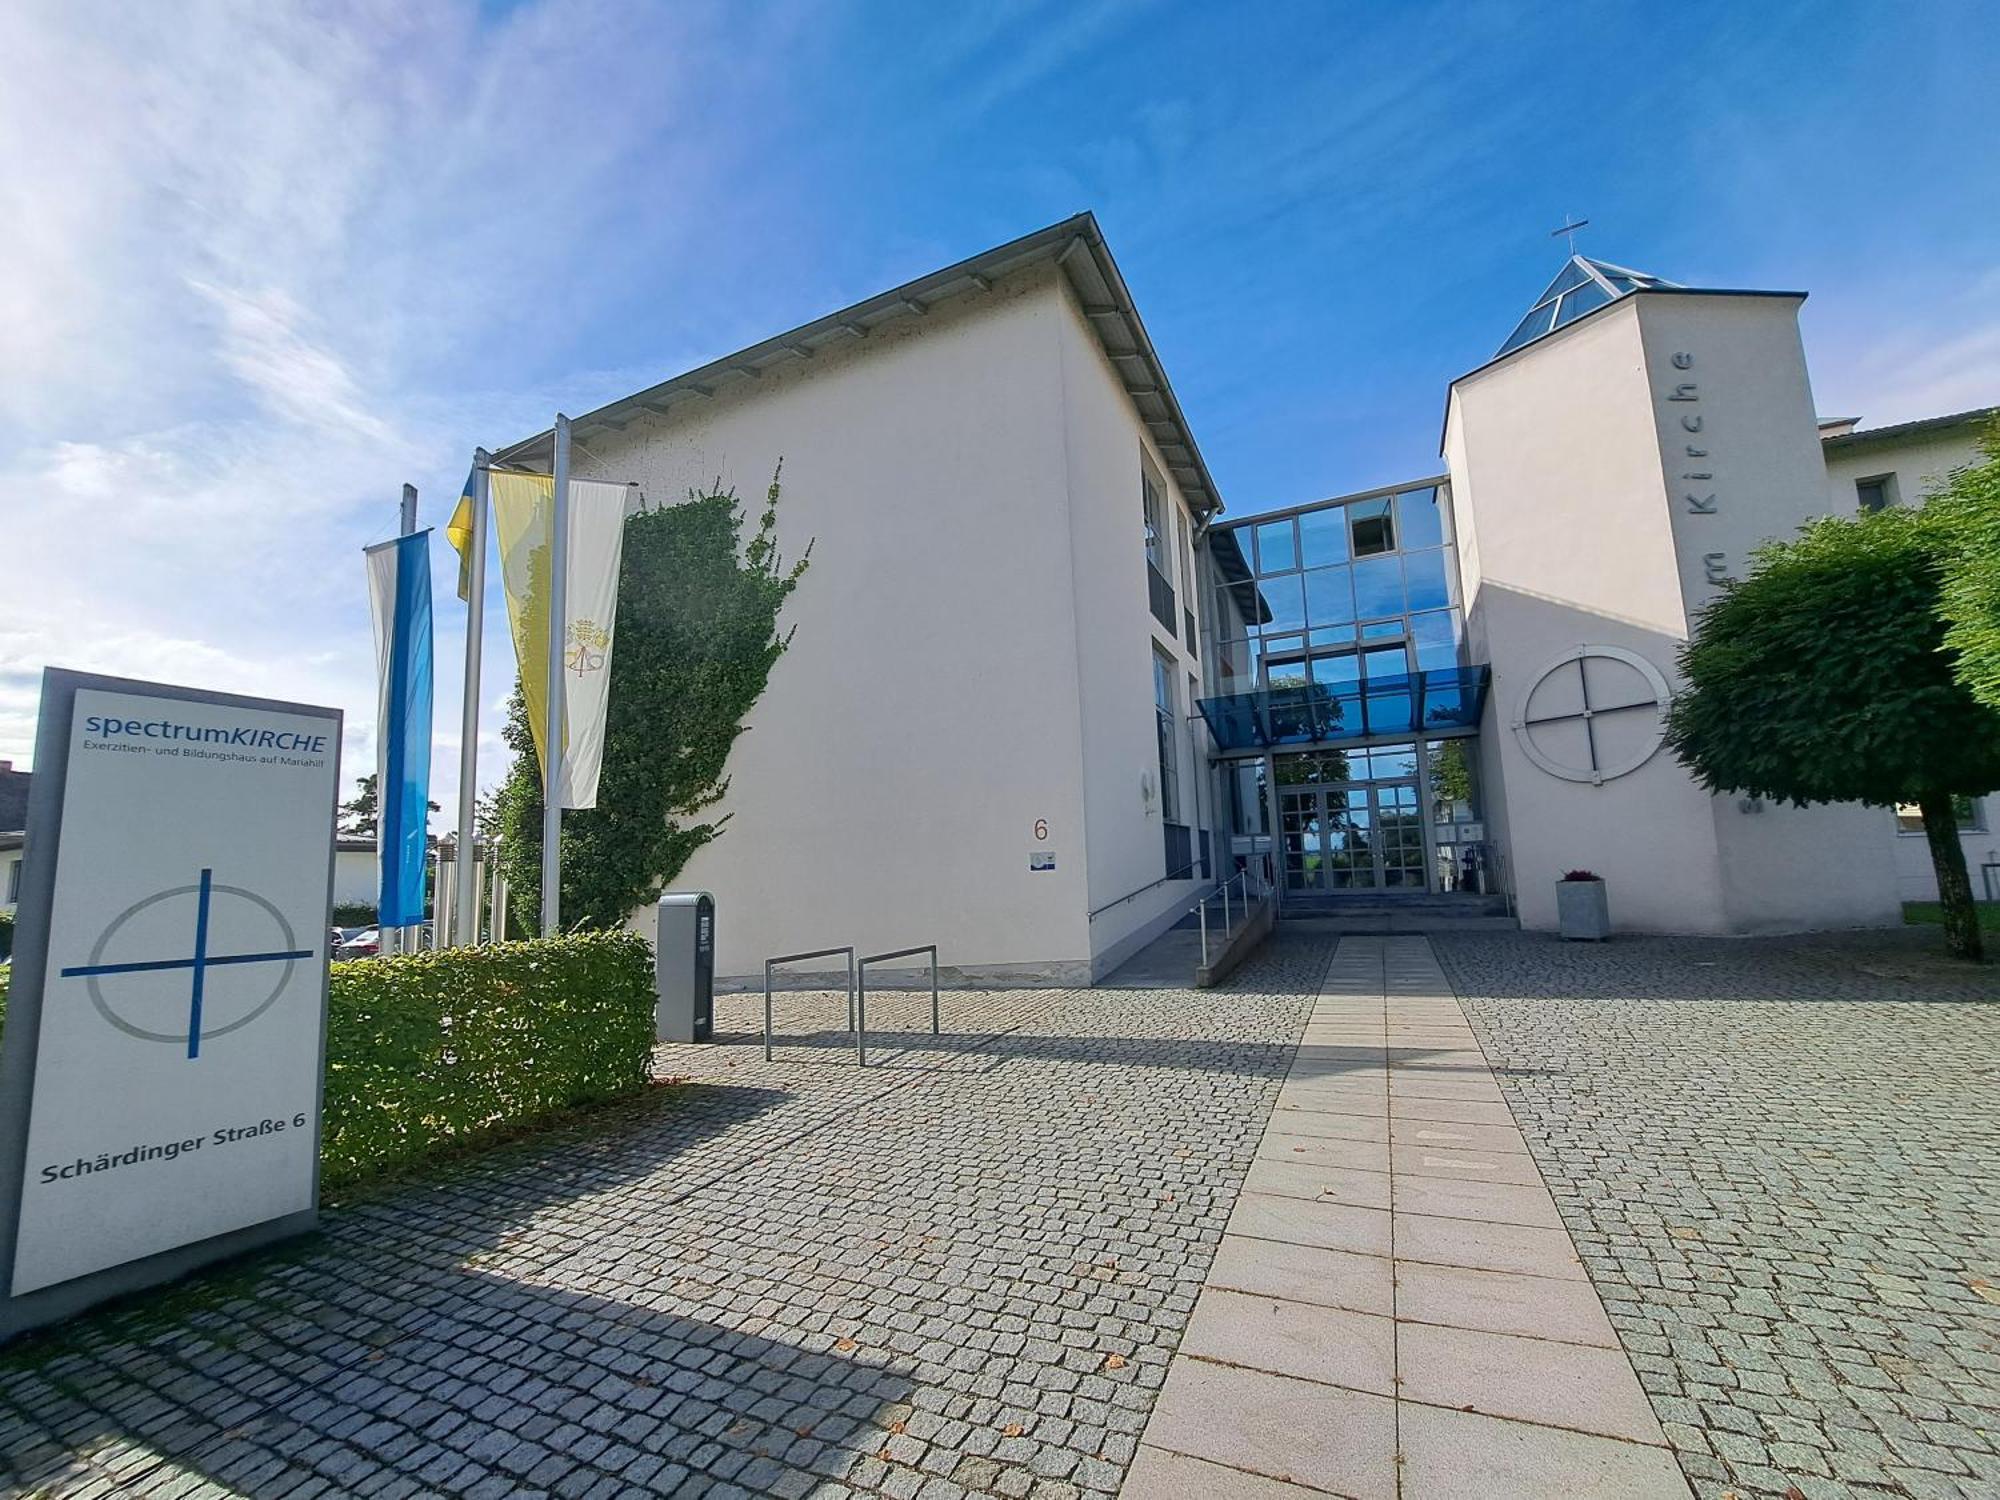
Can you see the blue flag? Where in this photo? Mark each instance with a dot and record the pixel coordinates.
(399, 587)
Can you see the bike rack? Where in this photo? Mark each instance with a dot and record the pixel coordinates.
(792, 958)
(861, 994)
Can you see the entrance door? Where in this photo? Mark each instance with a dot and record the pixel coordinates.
(1352, 836)
(1351, 852)
(1301, 820)
(1399, 836)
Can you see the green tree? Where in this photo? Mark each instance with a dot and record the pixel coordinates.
(1451, 773)
(1823, 677)
(357, 816)
(1965, 515)
(696, 640)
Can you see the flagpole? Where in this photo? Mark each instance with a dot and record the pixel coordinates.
(552, 735)
(465, 916)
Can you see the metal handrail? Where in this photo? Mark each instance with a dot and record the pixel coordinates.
(1184, 873)
(861, 995)
(792, 958)
(1200, 907)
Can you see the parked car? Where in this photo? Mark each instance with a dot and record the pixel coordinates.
(365, 942)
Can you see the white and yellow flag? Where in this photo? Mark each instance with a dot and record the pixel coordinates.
(522, 518)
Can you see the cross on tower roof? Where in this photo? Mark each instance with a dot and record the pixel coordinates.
(1569, 226)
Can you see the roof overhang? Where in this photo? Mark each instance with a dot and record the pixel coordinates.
(1075, 246)
(1903, 431)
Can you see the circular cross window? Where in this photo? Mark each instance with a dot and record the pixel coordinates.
(1593, 714)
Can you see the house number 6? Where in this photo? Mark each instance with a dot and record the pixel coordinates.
(1041, 828)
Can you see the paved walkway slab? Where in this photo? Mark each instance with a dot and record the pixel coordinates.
(1397, 1310)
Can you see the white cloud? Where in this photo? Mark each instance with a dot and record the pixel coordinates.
(266, 261)
(1940, 354)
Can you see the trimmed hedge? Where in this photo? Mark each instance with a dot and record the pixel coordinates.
(362, 913)
(427, 1049)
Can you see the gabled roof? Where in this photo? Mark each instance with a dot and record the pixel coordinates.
(1076, 246)
(1582, 285)
(1923, 427)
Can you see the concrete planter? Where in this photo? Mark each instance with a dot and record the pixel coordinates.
(1581, 911)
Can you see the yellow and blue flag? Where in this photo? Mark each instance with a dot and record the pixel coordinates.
(458, 531)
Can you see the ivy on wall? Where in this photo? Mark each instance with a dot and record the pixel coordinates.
(697, 638)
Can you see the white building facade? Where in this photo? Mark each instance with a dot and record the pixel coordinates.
(1041, 695)
(962, 744)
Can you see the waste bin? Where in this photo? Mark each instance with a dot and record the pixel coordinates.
(684, 967)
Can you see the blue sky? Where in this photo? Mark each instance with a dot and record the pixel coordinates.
(268, 261)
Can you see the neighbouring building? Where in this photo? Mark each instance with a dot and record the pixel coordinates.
(13, 819)
(14, 797)
(357, 870)
(1041, 693)
(1866, 469)
(10, 870)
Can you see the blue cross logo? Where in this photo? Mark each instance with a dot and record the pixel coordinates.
(198, 963)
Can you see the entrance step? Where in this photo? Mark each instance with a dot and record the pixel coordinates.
(1386, 921)
(1359, 915)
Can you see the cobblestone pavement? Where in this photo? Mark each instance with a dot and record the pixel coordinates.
(1777, 1160)
(962, 1270)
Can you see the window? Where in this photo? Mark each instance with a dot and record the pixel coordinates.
(1372, 528)
(1323, 534)
(1420, 518)
(1284, 603)
(1378, 588)
(1194, 744)
(1877, 493)
(1971, 816)
(1284, 661)
(1277, 550)
(1436, 638)
(1330, 596)
(1190, 573)
(1247, 797)
(13, 882)
(1163, 714)
(1149, 500)
(1426, 581)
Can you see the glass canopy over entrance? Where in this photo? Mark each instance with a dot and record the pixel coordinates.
(1436, 702)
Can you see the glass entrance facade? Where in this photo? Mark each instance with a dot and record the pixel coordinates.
(1337, 666)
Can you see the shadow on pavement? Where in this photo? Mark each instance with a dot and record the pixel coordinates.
(394, 1337)
(451, 1380)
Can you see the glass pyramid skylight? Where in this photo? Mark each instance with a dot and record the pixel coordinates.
(1582, 286)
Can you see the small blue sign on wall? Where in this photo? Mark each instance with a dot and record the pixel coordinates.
(1041, 859)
